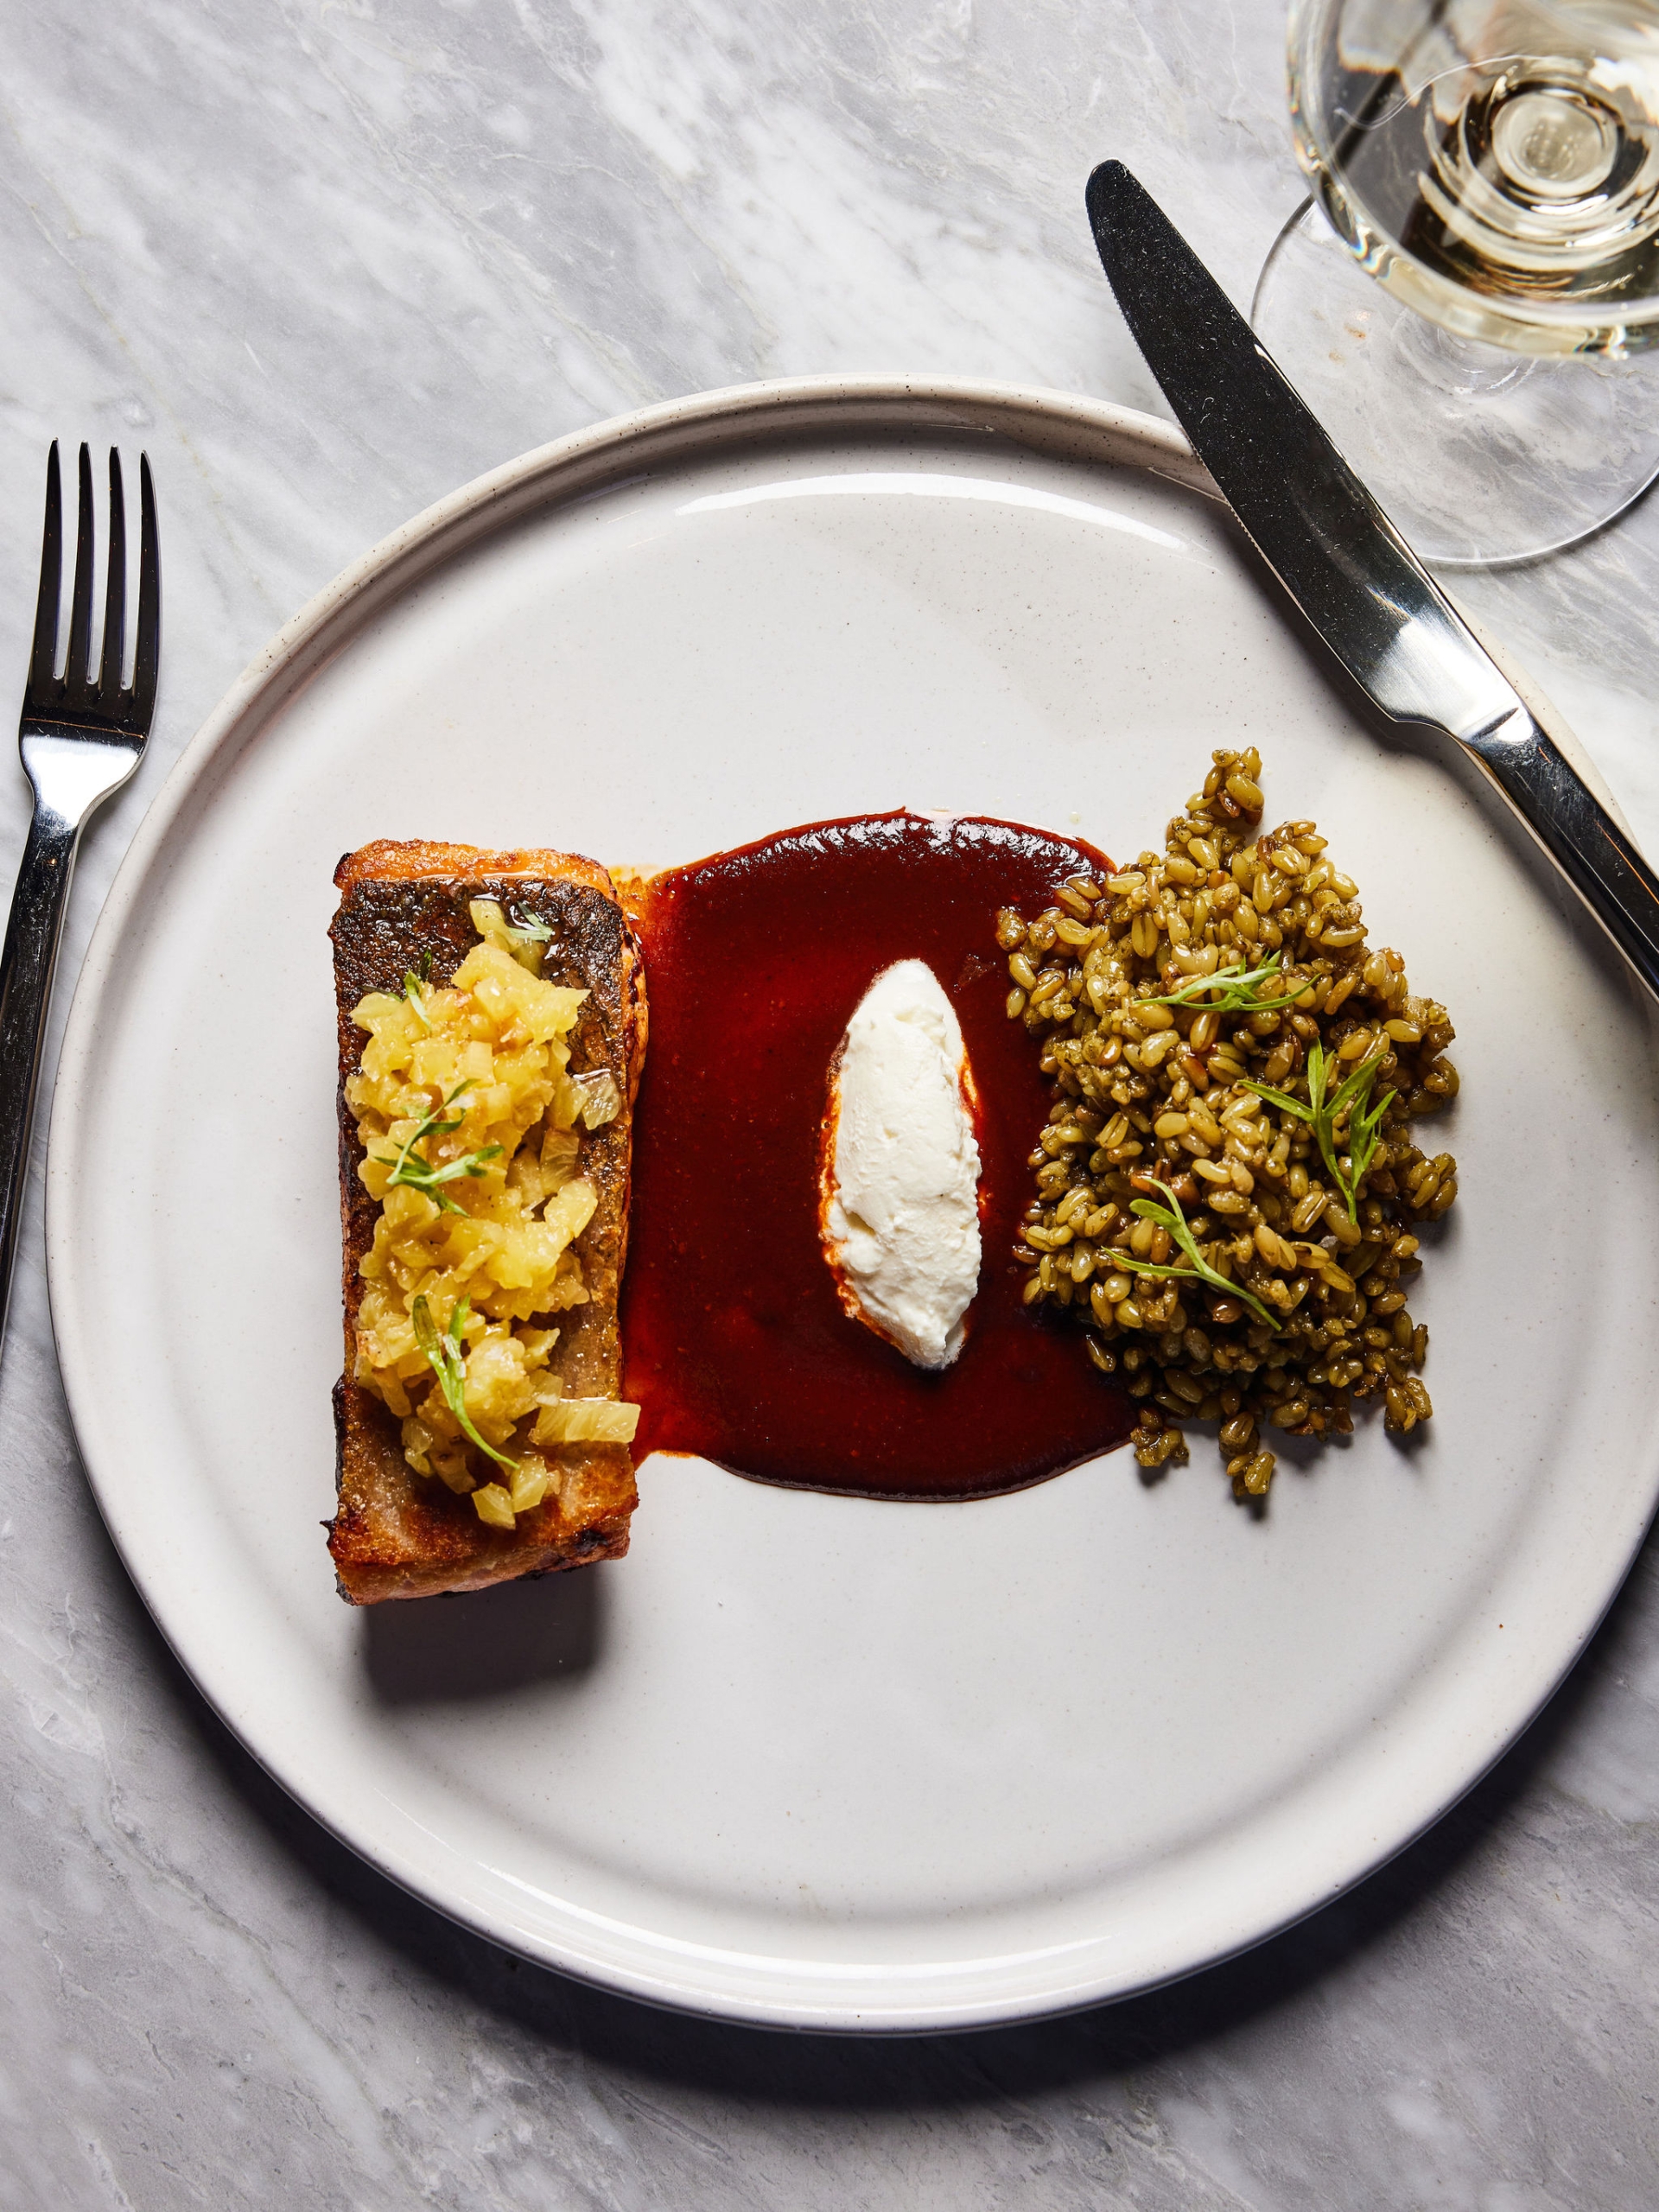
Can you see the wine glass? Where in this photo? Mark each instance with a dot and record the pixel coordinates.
(1471, 298)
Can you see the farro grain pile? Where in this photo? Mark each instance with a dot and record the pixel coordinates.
(1238, 1258)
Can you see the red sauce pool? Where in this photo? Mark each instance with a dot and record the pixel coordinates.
(737, 1347)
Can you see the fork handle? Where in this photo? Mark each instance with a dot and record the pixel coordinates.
(33, 934)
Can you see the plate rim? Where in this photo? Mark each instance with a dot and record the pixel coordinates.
(667, 433)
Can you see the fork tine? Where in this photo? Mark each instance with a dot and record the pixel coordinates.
(44, 659)
(80, 606)
(148, 651)
(115, 593)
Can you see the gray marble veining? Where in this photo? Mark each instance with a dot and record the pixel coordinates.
(326, 261)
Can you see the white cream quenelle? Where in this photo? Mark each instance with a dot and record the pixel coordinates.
(899, 1211)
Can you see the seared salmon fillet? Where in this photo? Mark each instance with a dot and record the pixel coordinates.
(397, 1533)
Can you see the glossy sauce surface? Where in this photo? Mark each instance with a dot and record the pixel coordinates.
(736, 1344)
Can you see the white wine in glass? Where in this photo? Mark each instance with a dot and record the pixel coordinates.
(1495, 169)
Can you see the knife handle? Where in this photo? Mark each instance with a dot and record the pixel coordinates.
(1579, 834)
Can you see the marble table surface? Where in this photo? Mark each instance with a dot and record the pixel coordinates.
(327, 260)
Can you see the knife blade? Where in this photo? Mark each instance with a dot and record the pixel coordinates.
(1344, 563)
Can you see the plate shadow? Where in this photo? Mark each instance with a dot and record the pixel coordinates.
(433, 1651)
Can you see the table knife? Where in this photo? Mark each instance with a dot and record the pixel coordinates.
(1343, 562)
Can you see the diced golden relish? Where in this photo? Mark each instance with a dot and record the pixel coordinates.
(469, 1120)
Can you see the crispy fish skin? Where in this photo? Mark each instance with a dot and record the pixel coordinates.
(396, 1534)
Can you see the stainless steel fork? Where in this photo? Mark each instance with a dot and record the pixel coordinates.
(81, 736)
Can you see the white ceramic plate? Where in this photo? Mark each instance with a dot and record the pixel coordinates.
(818, 1761)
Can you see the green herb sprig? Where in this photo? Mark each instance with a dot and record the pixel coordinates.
(414, 1170)
(414, 990)
(525, 924)
(1172, 1218)
(1321, 1113)
(446, 1354)
(1236, 984)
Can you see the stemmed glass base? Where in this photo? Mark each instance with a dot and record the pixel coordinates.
(1484, 458)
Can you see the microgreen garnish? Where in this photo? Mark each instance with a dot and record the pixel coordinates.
(414, 1170)
(1321, 1115)
(1363, 1122)
(1236, 984)
(1172, 1218)
(525, 924)
(414, 989)
(446, 1354)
